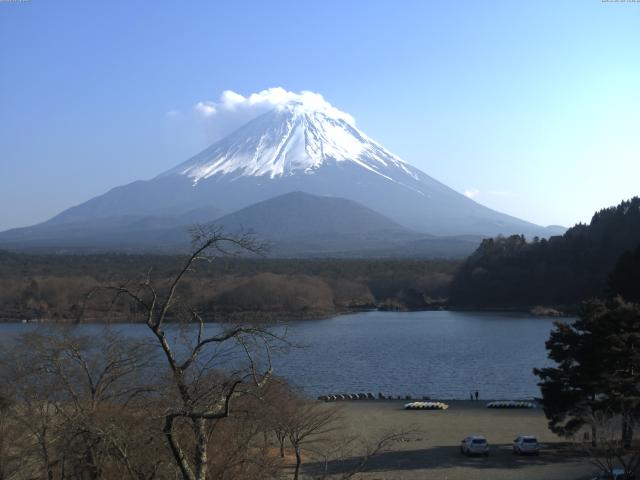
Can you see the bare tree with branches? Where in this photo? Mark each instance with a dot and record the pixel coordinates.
(200, 396)
(72, 394)
(613, 450)
(305, 425)
(12, 440)
(190, 400)
(354, 453)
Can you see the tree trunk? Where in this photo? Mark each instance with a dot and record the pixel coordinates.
(298, 463)
(91, 470)
(201, 448)
(47, 462)
(176, 450)
(594, 436)
(627, 430)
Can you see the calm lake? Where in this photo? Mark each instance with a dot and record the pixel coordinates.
(438, 353)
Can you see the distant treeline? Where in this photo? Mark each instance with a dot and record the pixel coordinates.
(53, 287)
(595, 260)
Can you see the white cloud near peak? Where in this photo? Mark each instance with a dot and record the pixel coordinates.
(232, 110)
(206, 109)
(472, 193)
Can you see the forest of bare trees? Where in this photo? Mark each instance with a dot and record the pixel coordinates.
(185, 400)
(52, 287)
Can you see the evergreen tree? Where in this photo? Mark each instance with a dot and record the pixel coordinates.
(561, 271)
(597, 368)
(625, 277)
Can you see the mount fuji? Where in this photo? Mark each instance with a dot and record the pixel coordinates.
(296, 146)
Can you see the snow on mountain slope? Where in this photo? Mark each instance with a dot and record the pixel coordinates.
(294, 139)
(298, 143)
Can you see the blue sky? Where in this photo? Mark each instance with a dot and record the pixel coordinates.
(531, 107)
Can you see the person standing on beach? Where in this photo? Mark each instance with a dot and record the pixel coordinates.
(476, 395)
(471, 396)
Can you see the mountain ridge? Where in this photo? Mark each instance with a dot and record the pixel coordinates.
(295, 224)
(293, 148)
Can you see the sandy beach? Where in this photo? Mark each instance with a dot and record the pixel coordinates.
(433, 452)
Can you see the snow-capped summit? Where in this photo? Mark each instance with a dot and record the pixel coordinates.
(295, 138)
(290, 142)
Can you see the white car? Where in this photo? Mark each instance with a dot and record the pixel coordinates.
(475, 445)
(526, 445)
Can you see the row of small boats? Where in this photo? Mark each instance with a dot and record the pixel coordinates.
(426, 406)
(363, 396)
(346, 396)
(510, 404)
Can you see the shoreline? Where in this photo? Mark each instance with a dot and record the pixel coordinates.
(285, 318)
(450, 401)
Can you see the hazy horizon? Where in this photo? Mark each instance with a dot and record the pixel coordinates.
(528, 108)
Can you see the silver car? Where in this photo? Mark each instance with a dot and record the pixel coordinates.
(475, 445)
(526, 445)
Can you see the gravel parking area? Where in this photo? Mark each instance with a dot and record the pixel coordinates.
(433, 452)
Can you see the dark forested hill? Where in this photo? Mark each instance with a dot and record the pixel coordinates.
(562, 271)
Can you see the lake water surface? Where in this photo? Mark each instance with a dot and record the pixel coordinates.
(442, 354)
